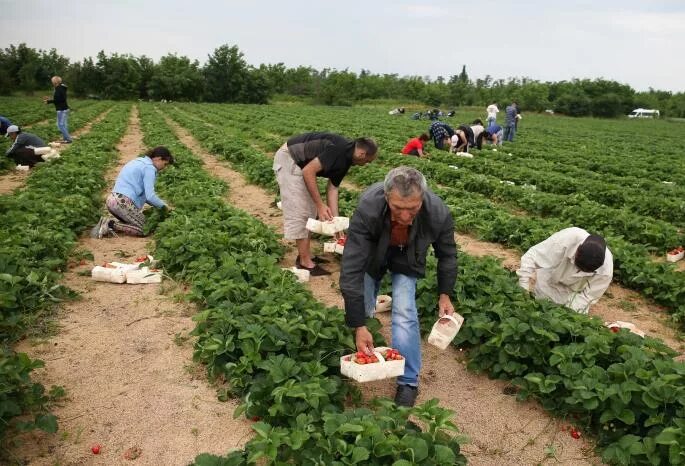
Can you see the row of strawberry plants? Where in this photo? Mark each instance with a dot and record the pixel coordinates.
(626, 390)
(580, 148)
(275, 345)
(473, 212)
(38, 232)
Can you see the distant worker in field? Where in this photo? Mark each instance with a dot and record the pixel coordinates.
(467, 136)
(391, 231)
(59, 99)
(23, 145)
(510, 120)
(441, 134)
(133, 188)
(496, 134)
(415, 146)
(297, 164)
(416, 116)
(396, 111)
(451, 113)
(4, 124)
(574, 268)
(492, 111)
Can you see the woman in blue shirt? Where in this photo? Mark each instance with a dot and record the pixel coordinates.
(134, 187)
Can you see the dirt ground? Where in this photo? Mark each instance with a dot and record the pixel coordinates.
(124, 356)
(15, 179)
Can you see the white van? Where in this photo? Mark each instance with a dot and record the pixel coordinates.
(644, 113)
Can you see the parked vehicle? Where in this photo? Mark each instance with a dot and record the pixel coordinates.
(644, 113)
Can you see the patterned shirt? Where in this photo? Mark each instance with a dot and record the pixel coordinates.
(440, 131)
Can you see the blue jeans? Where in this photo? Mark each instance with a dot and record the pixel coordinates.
(509, 132)
(406, 335)
(63, 124)
(490, 121)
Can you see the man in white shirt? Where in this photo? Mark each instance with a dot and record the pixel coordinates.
(492, 114)
(574, 268)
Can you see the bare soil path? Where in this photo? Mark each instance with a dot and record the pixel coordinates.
(16, 179)
(502, 430)
(124, 357)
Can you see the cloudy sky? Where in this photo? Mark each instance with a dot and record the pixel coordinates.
(640, 43)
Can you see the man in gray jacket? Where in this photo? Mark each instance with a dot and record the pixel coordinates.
(394, 224)
(21, 150)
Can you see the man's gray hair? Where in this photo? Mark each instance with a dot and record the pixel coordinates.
(406, 181)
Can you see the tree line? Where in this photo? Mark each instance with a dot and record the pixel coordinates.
(227, 77)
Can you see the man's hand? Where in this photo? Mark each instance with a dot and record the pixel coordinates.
(445, 306)
(364, 340)
(325, 213)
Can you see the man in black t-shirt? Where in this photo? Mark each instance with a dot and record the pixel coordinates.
(297, 164)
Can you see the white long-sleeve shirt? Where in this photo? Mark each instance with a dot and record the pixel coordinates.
(492, 111)
(558, 278)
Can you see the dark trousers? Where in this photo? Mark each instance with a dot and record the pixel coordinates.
(25, 156)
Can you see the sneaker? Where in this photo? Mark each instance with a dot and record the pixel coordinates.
(95, 231)
(406, 395)
(102, 229)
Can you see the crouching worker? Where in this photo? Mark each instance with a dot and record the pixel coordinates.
(574, 268)
(22, 148)
(391, 230)
(134, 187)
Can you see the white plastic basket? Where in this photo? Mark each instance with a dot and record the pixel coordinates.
(143, 275)
(444, 330)
(301, 274)
(107, 274)
(383, 303)
(41, 150)
(375, 371)
(675, 257)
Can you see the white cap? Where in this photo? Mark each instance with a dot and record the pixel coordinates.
(11, 129)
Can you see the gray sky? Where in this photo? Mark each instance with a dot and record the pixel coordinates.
(640, 43)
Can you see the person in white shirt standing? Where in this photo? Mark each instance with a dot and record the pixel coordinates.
(492, 114)
(574, 268)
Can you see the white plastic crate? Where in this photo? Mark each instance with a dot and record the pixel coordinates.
(444, 330)
(107, 274)
(329, 228)
(383, 303)
(675, 257)
(143, 275)
(301, 274)
(375, 371)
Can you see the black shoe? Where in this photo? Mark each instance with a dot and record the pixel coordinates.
(316, 271)
(315, 259)
(406, 395)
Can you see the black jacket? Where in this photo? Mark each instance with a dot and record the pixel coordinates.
(368, 241)
(59, 98)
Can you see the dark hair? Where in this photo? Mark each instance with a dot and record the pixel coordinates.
(590, 254)
(424, 137)
(477, 121)
(368, 144)
(160, 152)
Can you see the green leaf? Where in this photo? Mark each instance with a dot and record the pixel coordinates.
(444, 455)
(359, 454)
(47, 423)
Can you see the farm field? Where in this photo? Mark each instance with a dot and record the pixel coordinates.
(271, 345)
